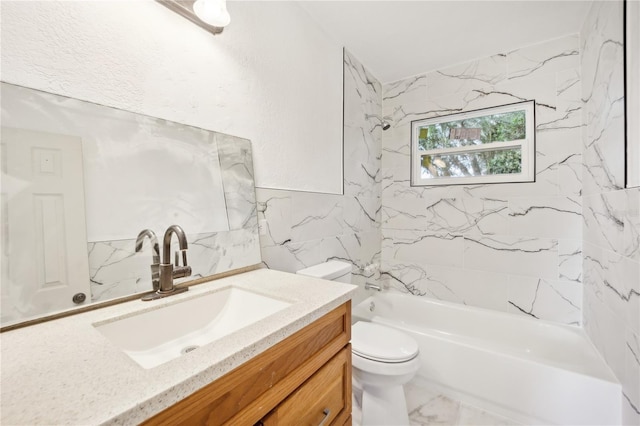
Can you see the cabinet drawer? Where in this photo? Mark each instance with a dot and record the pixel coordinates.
(325, 398)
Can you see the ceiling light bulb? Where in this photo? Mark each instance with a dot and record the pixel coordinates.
(212, 12)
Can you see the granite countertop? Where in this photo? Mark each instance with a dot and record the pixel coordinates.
(66, 372)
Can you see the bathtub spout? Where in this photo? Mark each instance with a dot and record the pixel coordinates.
(369, 286)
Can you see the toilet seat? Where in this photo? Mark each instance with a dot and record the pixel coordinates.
(382, 344)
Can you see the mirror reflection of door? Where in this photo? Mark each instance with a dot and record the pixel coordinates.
(44, 243)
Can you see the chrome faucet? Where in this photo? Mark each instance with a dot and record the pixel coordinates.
(155, 252)
(168, 271)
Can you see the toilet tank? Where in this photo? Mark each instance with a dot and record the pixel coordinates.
(333, 270)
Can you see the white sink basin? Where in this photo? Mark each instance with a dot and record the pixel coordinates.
(154, 337)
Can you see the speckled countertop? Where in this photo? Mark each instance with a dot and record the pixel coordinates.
(66, 372)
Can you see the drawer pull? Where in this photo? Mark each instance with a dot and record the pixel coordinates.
(326, 413)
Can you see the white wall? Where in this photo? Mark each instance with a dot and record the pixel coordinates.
(272, 76)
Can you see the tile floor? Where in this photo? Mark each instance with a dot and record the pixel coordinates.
(427, 407)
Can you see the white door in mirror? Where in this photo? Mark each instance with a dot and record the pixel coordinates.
(44, 256)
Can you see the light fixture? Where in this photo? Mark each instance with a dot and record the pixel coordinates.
(212, 12)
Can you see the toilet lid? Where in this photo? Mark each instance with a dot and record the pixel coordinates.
(380, 343)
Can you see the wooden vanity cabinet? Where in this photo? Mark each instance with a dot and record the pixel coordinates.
(303, 380)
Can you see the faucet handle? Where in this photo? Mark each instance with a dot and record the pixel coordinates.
(182, 271)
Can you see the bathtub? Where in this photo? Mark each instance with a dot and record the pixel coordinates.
(532, 371)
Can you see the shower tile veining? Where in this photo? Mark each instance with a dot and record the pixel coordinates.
(428, 407)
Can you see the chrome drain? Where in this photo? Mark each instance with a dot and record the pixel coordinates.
(189, 349)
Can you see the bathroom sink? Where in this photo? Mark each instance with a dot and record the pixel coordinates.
(154, 337)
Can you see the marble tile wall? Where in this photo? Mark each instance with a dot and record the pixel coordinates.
(509, 247)
(611, 213)
(302, 229)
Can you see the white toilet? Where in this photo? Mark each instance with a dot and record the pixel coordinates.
(384, 359)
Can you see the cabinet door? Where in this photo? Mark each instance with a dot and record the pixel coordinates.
(324, 399)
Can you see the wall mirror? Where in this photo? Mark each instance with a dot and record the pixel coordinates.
(81, 180)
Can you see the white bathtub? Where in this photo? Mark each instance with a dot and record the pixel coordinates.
(530, 370)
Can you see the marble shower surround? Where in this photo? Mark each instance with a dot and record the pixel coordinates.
(306, 228)
(509, 247)
(611, 213)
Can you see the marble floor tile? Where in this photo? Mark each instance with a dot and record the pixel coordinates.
(471, 416)
(427, 407)
(438, 410)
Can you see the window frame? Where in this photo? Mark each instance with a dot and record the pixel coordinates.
(526, 145)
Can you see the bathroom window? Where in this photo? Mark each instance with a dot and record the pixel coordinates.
(493, 145)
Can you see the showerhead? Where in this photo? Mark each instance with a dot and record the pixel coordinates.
(385, 125)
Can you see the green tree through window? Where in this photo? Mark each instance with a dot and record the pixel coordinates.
(492, 145)
(508, 126)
